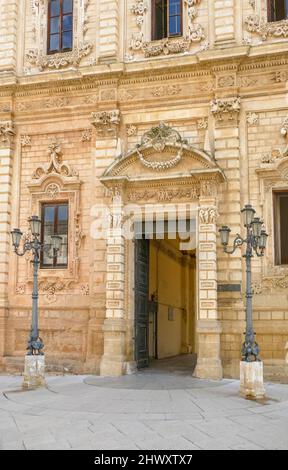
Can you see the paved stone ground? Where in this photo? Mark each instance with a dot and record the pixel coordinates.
(150, 410)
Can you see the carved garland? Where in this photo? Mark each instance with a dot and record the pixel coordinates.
(195, 32)
(37, 56)
(158, 138)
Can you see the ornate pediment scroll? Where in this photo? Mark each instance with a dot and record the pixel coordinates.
(55, 165)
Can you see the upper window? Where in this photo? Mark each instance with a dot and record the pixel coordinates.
(60, 26)
(281, 227)
(166, 18)
(55, 222)
(277, 10)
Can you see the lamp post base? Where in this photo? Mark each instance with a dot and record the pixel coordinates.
(34, 371)
(251, 379)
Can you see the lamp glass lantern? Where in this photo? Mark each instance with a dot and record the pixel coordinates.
(35, 225)
(248, 212)
(224, 234)
(256, 226)
(16, 237)
(263, 240)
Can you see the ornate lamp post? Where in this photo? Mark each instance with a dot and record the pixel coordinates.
(34, 361)
(251, 367)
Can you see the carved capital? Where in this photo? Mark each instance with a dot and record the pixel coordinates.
(226, 111)
(106, 122)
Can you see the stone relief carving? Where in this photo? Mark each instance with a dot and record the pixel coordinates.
(86, 135)
(202, 123)
(166, 90)
(194, 32)
(20, 288)
(131, 130)
(208, 189)
(52, 191)
(51, 286)
(164, 194)
(106, 122)
(37, 56)
(55, 164)
(7, 133)
(208, 215)
(256, 24)
(270, 284)
(25, 140)
(226, 81)
(160, 137)
(252, 119)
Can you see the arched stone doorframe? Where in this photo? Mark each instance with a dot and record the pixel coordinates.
(161, 171)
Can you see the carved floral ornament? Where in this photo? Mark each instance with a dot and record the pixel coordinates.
(226, 110)
(38, 57)
(194, 31)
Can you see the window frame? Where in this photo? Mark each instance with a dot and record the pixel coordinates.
(49, 34)
(154, 27)
(277, 226)
(54, 264)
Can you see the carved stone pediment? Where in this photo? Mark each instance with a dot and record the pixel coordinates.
(165, 160)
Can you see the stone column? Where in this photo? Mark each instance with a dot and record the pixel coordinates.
(109, 30)
(208, 327)
(6, 163)
(113, 359)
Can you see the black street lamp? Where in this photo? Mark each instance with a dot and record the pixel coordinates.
(34, 244)
(255, 240)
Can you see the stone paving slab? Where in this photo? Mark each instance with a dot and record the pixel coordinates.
(154, 411)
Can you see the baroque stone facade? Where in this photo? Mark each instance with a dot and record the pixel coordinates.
(198, 119)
